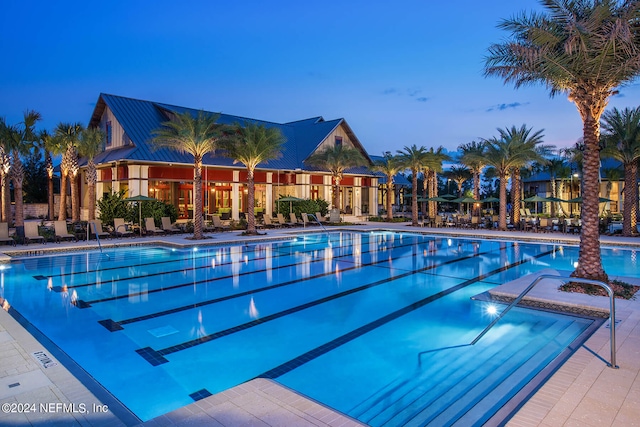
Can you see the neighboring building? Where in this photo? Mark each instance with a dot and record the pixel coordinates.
(131, 162)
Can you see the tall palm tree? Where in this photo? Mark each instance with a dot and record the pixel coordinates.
(67, 135)
(251, 145)
(91, 144)
(196, 136)
(433, 166)
(621, 140)
(458, 174)
(557, 169)
(46, 142)
(336, 159)
(471, 157)
(584, 49)
(413, 158)
(390, 166)
(5, 169)
(524, 149)
(21, 139)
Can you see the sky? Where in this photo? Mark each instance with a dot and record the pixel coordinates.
(401, 73)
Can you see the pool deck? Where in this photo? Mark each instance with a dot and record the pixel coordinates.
(583, 392)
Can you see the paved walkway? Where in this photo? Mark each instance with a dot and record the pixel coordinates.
(583, 392)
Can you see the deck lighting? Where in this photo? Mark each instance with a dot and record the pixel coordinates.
(575, 264)
(195, 249)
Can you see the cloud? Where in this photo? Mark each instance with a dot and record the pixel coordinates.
(389, 91)
(409, 92)
(422, 99)
(502, 107)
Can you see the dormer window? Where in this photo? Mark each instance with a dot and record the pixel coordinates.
(338, 140)
(108, 133)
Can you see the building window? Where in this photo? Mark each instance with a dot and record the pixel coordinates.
(107, 131)
(338, 140)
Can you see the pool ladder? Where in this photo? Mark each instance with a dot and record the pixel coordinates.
(319, 223)
(95, 231)
(612, 311)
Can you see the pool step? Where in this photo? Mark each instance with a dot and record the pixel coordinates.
(461, 393)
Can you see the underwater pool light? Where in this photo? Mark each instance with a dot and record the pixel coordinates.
(492, 310)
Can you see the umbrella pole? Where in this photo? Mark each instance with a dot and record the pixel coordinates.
(140, 217)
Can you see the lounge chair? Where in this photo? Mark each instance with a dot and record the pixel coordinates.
(305, 219)
(282, 221)
(150, 226)
(62, 233)
(293, 220)
(4, 234)
(268, 223)
(120, 228)
(218, 225)
(319, 217)
(97, 229)
(31, 233)
(168, 227)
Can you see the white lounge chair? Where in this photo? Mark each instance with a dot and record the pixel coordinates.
(62, 233)
(168, 227)
(120, 228)
(96, 229)
(150, 226)
(31, 233)
(218, 225)
(4, 234)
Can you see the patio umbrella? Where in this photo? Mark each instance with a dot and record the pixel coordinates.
(465, 200)
(448, 196)
(289, 199)
(139, 199)
(535, 199)
(579, 200)
(437, 199)
(491, 201)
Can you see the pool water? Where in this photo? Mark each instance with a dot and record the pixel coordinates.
(372, 324)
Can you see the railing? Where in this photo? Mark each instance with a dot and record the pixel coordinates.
(95, 231)
(612, 308)
(319, 223)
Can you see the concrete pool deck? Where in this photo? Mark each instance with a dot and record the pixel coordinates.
(584, 391)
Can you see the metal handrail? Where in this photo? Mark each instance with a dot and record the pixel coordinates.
(95, 231)
(319, 223)
(612, 308)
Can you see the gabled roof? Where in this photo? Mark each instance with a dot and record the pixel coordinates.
(140, 118)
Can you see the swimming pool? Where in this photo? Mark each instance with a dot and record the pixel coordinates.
(340, 318)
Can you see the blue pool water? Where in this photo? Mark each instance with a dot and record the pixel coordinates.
(341, 319)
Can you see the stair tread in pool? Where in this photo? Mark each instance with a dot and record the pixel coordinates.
(397, 389)
(473, 387)
(489, 403)
(453, 381)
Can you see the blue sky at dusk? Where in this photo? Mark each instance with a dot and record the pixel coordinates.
(401, 73)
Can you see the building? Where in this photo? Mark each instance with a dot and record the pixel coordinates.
(130, 162)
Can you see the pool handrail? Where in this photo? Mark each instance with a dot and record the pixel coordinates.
(319, 223)
(612, 308)
(95, 231)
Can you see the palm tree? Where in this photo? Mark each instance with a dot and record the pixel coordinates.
(390, 166)
(251, 145)
(196, 136)
(621, 140)
(471, 157)
(458, 174)
(433, 166)
(5, 169)
(21, 139)
(90, 145)
(557, 168)
(336, 159)
(524, 150)
(413, 158)
(46, 142)
(584, 49)
(66, 135)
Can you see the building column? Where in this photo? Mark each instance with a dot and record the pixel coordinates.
(357, 196)
(326, 179)
(235, 196)
(373, 197)
(268, 209)
(303, 185)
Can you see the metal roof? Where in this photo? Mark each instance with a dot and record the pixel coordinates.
(140, 118)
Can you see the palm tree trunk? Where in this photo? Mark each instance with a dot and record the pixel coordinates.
(62, 212)
(50, 198)
(590, 260)
(425, 187)
(414, 198)
(4, 216)
(251, 216)
(389, 204)
(197, 199)
(335, 193)
(6, 199)
(17, 175)
(629, 219)
(75, 198)
(515, 197)
(502, 221)
(433, 192)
